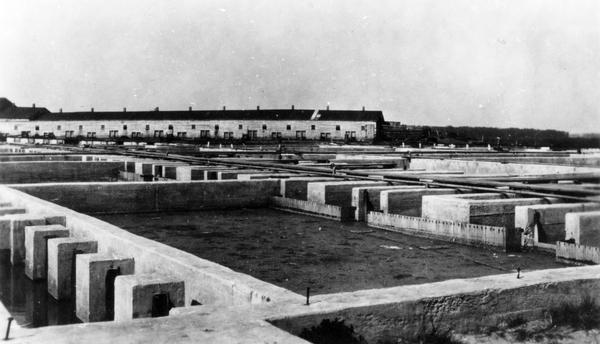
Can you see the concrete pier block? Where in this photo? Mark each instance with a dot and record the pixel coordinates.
(17, 234)
(94, 286)
(11, 211)
(407, 202)
(61, 264)
(584, 228)
(145, 296)
(366, 198)
(36, 248)
(551, 217)
(336, 193)
(183, 173)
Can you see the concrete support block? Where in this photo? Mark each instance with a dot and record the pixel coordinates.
(143, 168)
(17, 235)
(407, 202)
(144, 296)
(11, 211)
(36, 248)
(94, 286)
(367, 198)
(61, 264)
(336, 193)
(183, 173)
(584, 228)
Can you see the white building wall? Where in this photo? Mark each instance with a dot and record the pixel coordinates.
(363, 130)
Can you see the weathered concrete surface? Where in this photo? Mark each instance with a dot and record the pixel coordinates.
(489, 167)
(58, 171)
(61, 264)
(584, 228)
(134, 295)
(313, 208)
(578, 254)
(17, 234)
(157, 196)
(36, 248)
(484, 209)
(367, 198)
(91, 284)
(408, 202)
(297, 187)
(337, 192)
(551, 218)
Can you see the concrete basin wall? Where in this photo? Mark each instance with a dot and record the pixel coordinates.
(336, 193)
(132, 197)
(489, 167)
(205, 281)
(407, 202)
(58, 171)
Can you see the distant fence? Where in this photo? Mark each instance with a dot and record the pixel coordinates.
(465, 233)
(577, 253)
(313, 208)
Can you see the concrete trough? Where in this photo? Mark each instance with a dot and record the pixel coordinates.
(584, 228)
(145, 296)
(62, 253)
(36, 248)
(94, 285)
(408, 202)
(17, 224)
(336, 192)
(297, 187)
(367, 198)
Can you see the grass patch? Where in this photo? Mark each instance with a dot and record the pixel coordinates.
(332, 332)
(582, 316)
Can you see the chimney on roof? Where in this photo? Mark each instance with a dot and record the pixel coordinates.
(156, 109)
(363, 109)
(292, 106)
(257, 107)
(190, 108)
(92, 109)
(327, 107)
(33, 106)
(124, 109)
(224, 108)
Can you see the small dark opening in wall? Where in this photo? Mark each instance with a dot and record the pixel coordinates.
(196, 303)
(109, 285)
(161, 305)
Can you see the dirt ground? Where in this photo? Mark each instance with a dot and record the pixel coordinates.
(297, 251)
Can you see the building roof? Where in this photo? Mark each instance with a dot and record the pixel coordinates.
(8, 110)
(205, 115)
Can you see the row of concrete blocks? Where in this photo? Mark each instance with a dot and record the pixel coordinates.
(105, 285)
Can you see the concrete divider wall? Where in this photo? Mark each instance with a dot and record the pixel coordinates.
(297, 187)
(205, 281)
(583, 227)
(552, 218)
(488, 167)
(134, 197)
(407, 202)
(336, 192)
(367, 198)
(466, 233)
(320, 209)
(58, 171)
(465, 305)
(577, 253)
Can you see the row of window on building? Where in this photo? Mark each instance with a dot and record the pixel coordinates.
(170, 127)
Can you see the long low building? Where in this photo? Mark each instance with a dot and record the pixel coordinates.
(259, 124)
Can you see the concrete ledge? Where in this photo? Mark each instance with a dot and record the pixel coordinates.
(36, 248)
(313, 208)
(579, 254)
(466, 233)
(93, 272)
(61, 264)
(137, 296)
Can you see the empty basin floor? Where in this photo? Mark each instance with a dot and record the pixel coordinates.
(297, 251)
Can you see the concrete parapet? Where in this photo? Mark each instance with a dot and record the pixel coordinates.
(94, 286)
(367, 198)
(337, 192)
(466, 233)
(36, 248)
(551, 218)
(407, 202)
(145, 296)
(296, 187)
(313, 208)
(61, 264)
(584, 228)
(578, 254)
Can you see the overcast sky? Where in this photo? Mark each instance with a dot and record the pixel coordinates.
(525, 63)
